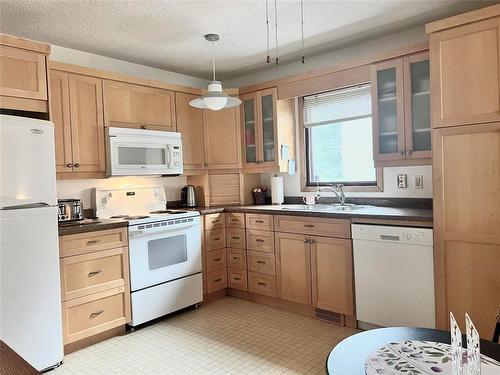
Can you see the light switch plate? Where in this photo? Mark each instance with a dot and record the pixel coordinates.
(402, 181)
(418, 182)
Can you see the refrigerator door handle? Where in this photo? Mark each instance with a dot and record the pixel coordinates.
(26, 206)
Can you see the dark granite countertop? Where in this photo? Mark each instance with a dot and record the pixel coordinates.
(90, 225)
(365, 212)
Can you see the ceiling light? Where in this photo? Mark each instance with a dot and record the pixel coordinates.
(215, 99)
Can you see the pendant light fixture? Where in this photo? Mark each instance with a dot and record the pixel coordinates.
(215, 99)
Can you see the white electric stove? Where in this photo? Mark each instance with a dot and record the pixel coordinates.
(164, 250)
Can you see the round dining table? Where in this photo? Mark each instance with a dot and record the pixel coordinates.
(348, 357)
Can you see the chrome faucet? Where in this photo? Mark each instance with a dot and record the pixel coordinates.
(340, 195)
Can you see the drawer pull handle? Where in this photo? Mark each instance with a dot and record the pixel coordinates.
(236, 258)
(235, 238)
(217, 280)
(235, 220)
(259, 240)
(93, 273)
(217, 259)
(92, 242)
(261, 283)
(217, 239)
(308, 226)
(237, 278)
(261, 262)
(215, 221)
(306, 240)
(96, 314)
(259, 221)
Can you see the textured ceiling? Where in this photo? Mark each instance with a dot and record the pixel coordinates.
(168, 34)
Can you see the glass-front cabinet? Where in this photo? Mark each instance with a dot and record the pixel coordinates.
(401, 111)
(259, 119)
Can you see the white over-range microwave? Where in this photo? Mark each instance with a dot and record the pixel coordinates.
(132, 152)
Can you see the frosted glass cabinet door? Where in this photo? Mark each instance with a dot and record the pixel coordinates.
(388, 115)
(417, 106)
(249, 135)
(268, 119)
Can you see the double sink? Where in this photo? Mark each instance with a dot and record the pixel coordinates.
(322, 207)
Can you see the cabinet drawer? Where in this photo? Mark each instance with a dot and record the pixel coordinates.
(215, 239)
(82, 275)
(237, 258)
(262, 284)
(260, 240)
(216, 280)
(260, 222)
(215, 221)
(313, 225)
(237, 279)
(235, 220)
(216, 260)
(235, 238)
(89, 315)
(82, 243)
(261, 262)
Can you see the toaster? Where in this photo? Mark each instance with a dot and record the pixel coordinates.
(70, 209)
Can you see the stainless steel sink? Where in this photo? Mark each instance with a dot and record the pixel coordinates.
(321, 207)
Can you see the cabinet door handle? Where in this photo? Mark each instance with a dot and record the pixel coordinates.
(69, 165)
(261, 283)
(260, 162)
(77, 165)
(259, 240)
(217, 280)
(92, 242)
(235, 238)
(259, 221)
(261, 262)
(96, 314)
(143, 126)
(217, 239)
(312, 241)
(237, 278)
(217, 259)
(308, 226)
(401, 152)
(306, 240)
(235, 220)
(215, 221)
(93, 273)
(236, 258)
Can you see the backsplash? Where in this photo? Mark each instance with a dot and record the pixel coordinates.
(82, 188)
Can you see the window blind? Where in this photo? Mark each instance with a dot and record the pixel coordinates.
(337, 106)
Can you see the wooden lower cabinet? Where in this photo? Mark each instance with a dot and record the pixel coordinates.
(293, 267)
(216, 260)
(235, 238)
(237, 279)
(260, 240)
(216, 280)
(215, 239)
(237, 258)
(332, 274)
(258, 261)
(93, 314)
(95, 289)
(262, 284)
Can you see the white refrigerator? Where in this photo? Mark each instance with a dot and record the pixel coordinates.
(30, 295)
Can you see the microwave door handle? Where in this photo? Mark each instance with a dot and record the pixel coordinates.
(169, 156)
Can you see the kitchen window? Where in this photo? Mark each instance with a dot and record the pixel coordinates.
(338, 139)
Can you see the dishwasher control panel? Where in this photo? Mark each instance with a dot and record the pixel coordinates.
(407, 235)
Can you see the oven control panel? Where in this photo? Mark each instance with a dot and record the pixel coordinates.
(163, 225)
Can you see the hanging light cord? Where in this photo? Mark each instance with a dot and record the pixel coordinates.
(276, 30)
(302, 29)
(268, 59)
(213, 60)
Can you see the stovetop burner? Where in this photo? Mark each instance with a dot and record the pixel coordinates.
(130, 217)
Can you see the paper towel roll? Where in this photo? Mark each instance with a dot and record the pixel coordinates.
(277, 195)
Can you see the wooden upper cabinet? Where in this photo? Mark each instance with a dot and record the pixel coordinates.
(77, 112)
(136, 106)
(465, 71)
(293, 267)
(60, 116)
(190, 125)
(467, 224)
(267, 125)
(401, 111)
(222, 138)
(332, 274)
(23, 74)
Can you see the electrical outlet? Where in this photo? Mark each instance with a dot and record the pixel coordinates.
(418, 182)
(402, 181)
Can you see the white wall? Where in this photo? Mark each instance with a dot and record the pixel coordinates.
(336, 57)
(82, 188)
(90, 60)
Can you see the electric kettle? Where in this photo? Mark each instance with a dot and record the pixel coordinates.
(188, 196)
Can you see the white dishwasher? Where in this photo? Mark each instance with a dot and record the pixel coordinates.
(393, 276)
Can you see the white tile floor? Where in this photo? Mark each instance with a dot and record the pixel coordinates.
(228, 336)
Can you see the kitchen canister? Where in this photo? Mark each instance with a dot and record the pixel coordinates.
(277, 194)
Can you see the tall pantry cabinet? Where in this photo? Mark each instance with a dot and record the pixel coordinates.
(465, 91)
